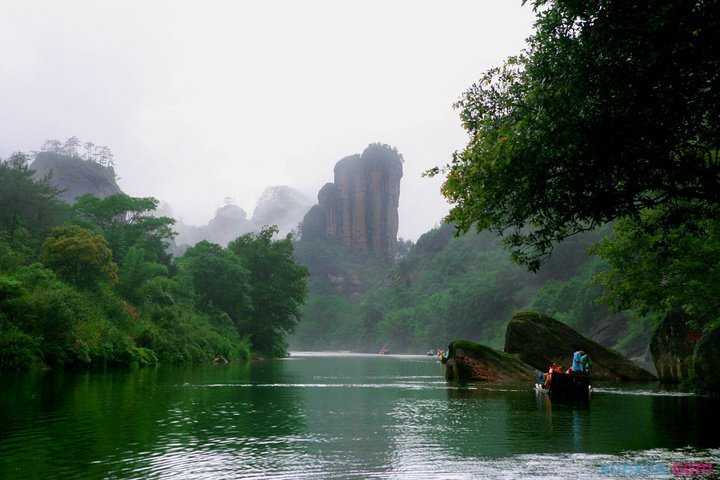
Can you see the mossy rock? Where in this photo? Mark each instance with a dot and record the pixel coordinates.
(707, 361)
(672, 348)
(539, 340)
(472, 362)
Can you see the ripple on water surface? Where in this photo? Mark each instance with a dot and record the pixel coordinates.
(329, 416)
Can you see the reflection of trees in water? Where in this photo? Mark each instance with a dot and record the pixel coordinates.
(355, 413)
(61, 421)
(476, 422)
(497, 420)
(125, 421)
(686, 421)
(571, 422)
(613, 423)
(484, 421)
(172, 419)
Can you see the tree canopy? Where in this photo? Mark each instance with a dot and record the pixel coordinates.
(656, 268)
(127, 221)
(613, 107)
(79, 256)
(27, 204)
(94, 283)
(278, 287)
(220, 279)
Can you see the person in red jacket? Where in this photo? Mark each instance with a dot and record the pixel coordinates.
(554, 368)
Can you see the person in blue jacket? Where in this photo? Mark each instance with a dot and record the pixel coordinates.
(585, 362)
(577, 362)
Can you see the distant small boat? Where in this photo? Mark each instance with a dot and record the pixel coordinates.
(567, 386)
(384, 350)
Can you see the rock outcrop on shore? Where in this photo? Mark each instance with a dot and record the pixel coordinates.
(686, 356)
(470, 361)
(672, 347)
(360, 208)
(539, 340)
(75, 176)
(706, 361)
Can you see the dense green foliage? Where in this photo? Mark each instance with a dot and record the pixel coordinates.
(661, 268)
(449, 287)
(277, 288)
(79, 257)
(92, 284)
(125, 222)
(613, 107)
(610, 114)
(29, 208)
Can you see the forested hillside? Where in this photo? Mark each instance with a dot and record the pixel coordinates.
(449, 287)
(93, 284)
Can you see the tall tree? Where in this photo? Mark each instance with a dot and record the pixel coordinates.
(656, 267)
(26, 203)
(126, 222)
(89, 148)
(52, 145)
(613, 107)
(278, 287)
(220, 280)
(79, 256)
(71, 147)
(134, 273)
(104, 156)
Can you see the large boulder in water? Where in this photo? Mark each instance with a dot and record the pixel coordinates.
(539, 340)
(672, 347)
(470, 361)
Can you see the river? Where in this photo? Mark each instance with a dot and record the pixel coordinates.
(339, 415)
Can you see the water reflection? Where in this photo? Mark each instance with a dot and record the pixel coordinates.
(321, 417)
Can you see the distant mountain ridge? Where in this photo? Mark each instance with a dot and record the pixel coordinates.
(279, 205)
(229, 222)
(283, 206)
(74, 176)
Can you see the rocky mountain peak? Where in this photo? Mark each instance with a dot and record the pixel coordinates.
(75, 176)
(281, 205)
(360, 207)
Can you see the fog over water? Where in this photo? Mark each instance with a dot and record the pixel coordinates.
(205, 100)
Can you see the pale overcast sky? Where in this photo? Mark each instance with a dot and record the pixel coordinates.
(202, 100)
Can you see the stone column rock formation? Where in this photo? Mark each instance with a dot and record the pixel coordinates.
(360, 208)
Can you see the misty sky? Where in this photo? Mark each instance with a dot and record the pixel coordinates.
(203, 100)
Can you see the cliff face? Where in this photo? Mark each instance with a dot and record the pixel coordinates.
(360, 208)
(75, 176)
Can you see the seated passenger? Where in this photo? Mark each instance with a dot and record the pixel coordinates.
(577, 364)
(585, 362)
(554, 368)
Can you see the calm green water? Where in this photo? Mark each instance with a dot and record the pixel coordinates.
(341, 416)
